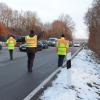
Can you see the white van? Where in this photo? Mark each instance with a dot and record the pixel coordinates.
(52, 41)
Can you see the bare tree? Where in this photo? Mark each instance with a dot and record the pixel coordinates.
(20, 22)
(68, 21)
(5, 14)
(92, 19)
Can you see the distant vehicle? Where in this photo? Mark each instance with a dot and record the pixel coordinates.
(45, 43)
(0, 47)
(52, 41)
(76, 44)
(22, 47)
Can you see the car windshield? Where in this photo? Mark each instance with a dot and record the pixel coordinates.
(52, 40)
(39, 42)
(23, 44)
(43, 41)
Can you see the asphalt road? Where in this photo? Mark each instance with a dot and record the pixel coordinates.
(16, 83)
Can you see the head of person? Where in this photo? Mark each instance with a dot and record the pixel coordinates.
(11, 36)
(32, 33)
(62, 35)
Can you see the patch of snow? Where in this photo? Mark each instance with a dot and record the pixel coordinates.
(85, 81)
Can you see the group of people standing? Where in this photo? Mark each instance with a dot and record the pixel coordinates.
(62, 47)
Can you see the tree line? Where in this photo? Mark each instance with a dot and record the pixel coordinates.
(20, 22)
(92, 19)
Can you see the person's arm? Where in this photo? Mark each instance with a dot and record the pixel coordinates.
(7, 42)
(57, 46)
(38, 37)
(67, 46)
(67, 49)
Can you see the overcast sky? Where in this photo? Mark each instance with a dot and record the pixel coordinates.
(49, 10)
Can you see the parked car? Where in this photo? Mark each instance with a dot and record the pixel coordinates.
(22, 47)
(0, 47)
(52, 41)
(45, 44)
(39, 46)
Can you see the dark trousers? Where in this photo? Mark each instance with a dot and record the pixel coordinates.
(31, 56)
(60, 60)
(11, 54)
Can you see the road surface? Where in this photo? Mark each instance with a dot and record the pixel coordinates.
(15, 82)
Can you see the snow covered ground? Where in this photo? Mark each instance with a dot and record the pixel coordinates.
(85, 81)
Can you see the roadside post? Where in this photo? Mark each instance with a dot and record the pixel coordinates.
(68, 65)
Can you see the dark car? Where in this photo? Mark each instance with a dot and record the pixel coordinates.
(39, 46)
(0, 47)
(22, 47)
(45, 44)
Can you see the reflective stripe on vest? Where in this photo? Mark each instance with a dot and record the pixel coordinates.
(31, 41)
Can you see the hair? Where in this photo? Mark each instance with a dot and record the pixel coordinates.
(11, 36)
(62, 35)
(31, 31)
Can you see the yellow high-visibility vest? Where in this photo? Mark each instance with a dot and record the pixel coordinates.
(62, 46)
(11, 42)
(31, 41)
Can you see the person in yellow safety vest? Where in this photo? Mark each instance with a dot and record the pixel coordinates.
(62, 47)
(11, 42)
(31, 44)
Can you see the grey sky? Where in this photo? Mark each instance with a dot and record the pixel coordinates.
(49, 10)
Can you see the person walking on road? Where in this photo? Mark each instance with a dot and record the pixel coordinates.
(62, 47)
(11, 42)
(31, 44)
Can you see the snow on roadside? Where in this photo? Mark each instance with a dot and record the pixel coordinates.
(85, 79)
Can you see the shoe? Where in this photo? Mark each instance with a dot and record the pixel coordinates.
(29, 70)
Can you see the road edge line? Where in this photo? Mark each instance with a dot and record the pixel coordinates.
(30, 95)
(42, 84)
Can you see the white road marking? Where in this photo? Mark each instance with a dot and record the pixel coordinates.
(48, 79)
(42, 84)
